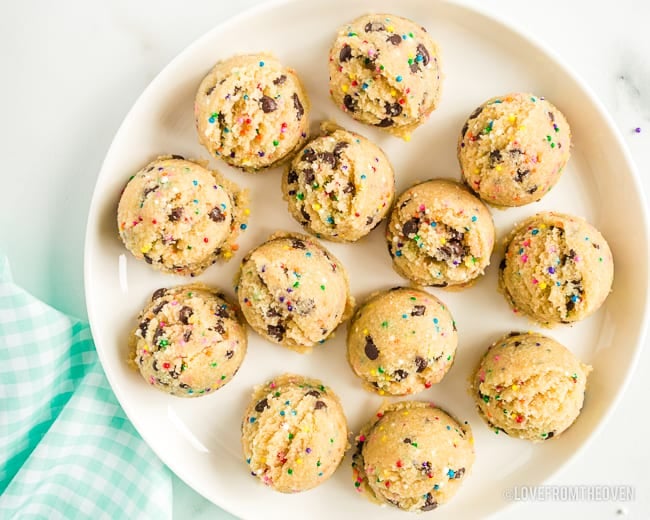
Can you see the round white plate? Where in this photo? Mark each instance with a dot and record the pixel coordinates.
(199, 438)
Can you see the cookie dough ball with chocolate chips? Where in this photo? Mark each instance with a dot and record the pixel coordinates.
(557, 268)
(529, 386)
(340, 186)
(440, 234)
(189, 341)
(401, 341)
(252, 112)
(413, 456)
(179, 216)
(293, 291)
(385, 71)
(294, 433)
(513, 148)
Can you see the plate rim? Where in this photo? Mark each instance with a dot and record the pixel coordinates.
(504, 23)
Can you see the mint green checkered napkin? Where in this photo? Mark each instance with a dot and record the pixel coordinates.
(66, 448)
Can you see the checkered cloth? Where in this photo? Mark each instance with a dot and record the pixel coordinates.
(66, 448)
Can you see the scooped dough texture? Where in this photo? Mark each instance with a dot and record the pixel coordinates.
(293, 291)
(401, 341)
(385, 71)
(252, 112)
(513, 148)
(529, 386)
(557, 268)
(189, 341)
(340, 186)
(412, 455)
(294, 433)
(440, 234)
(179, 216)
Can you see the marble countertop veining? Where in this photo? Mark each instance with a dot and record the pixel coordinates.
(72, 69)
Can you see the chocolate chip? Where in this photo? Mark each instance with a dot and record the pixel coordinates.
(369, 220)
(595, 246)
(570, 305)
(551, 116)
(338, 148)
(222, 312)
(309, 155)
(148, 259)
(176, 214)
(159, 307)
(400, 375)
(156, 335)
(305, 215)
(532, 190)
(272, 312)
(517, 343)
(184, 315)
(369, 63)
(155, 365)
(314, 393)
(418, 310)
(495, 157)
(158, 293)
(385, 123)
(395, 39)
(345, 54)
(296, 243)
(319, 405)
(292, 177)
(262, 405)
(403, 204)
(374, 27)
(144, 325)
(268, 104)
(515, 152)
(549, 435)
(407, 441)
(521, 174)
(393, 109)
(276, 331)
(209, 91)
(422, 51)
(421, 364)
(280, 80)
(476, 112)
(300, 111)
(187, 335)
(149, 190)
(371, 349)
(430, 503)
(350, 103)
(229, 354)
(415, 67)
(411, 227)
(459, 473)
(216, 214)
(184, 386)
(327, 158)
(349, 188)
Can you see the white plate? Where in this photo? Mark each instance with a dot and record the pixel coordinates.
(199, 438)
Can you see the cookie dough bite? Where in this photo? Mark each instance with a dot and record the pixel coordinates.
(401, 341)
(293, 291)
(385, 71)
(294, 433)
(252, 112)
(189, 341)
(440, 234)
(513, 148)
(413, 456)
(557, 268)
(181, 217)
(529, 386)
(340, 186)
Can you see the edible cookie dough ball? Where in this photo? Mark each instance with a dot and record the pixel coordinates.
(190, 340)
(440, 234)
(340, 186)
(412, 455)
(402, 341)
(179, 216)
(293, 291)
(385, 71)
(512, 149)
(294, 433)
(529, 386)
(557, 268)
(251, 111)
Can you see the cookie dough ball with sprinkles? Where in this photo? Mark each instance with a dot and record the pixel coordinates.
(340, 186)
(181, 217)
(412, 455)
(512, 149)
(252, 112)
(401, 341)
(385, 71)
(440, 234)
(529, 386)
(293, 291)
(190, 341)
(294, 433)
(557, 268)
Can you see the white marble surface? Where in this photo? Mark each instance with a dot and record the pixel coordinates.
(72, 69)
